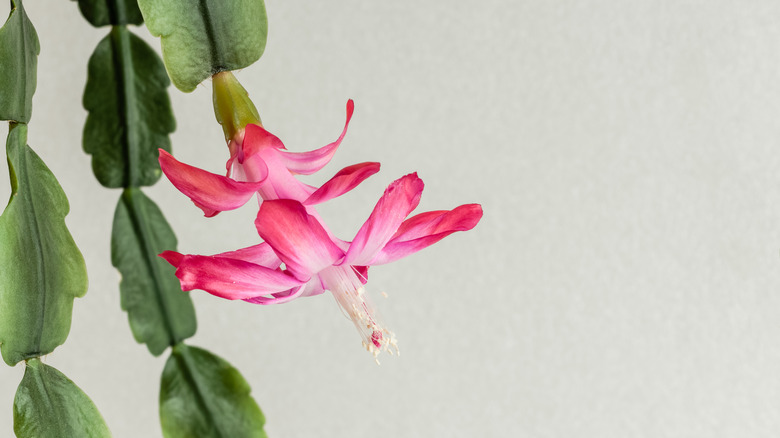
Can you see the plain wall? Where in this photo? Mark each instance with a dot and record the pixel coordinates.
(623, 282)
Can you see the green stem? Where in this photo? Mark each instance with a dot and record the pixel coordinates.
(123, 63)
(208, 28)
(116, 11)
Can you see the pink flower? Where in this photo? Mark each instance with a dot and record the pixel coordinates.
(314, 261)
(259, 163)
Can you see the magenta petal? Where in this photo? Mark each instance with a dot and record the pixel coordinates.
(347, 179)
(277, 298)
(462, 218)
(425, 229)
(261, 254)
(231, 279)
(256, 138)
(313, 287)
(306, 163)
(362, 273)
(172, 257)
(212, 193)
(399, 199)
(298, 238)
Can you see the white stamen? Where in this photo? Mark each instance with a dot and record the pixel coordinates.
(346, 287)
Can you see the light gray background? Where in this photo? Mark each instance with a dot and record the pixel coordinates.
(623, 282)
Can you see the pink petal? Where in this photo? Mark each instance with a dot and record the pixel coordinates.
(212, 193)
(362, 273)
(279, 182)
(229, 278)
(298, 238)
(425, 229)
(347, 179)
(399, 199)
(256, 138)
(306, 163)
(462, 218)
(172, 257)
(311, 288)
(261, 254)
(277, 298)
(234, 146)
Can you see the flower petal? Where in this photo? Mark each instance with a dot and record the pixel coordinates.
(311, 288)
(256, 138)
(298, 238)
(399, 199)
(212, 193)
(425, 229)
(306, 163)
(261, 254)
(228, 278)
(277, 298)
(347, 179)
(172, 257)
(362, 273)
(279, 182)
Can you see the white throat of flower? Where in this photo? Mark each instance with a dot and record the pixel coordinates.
(346, 287)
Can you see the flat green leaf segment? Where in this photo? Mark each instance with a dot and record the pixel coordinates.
(111, 12)
(203, 37)
(204, 396)
(129, 111)
(42, 269)
(49, 405)
(19, 50)
(160, 314)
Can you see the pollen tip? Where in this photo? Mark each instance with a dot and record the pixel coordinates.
(376, 338)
